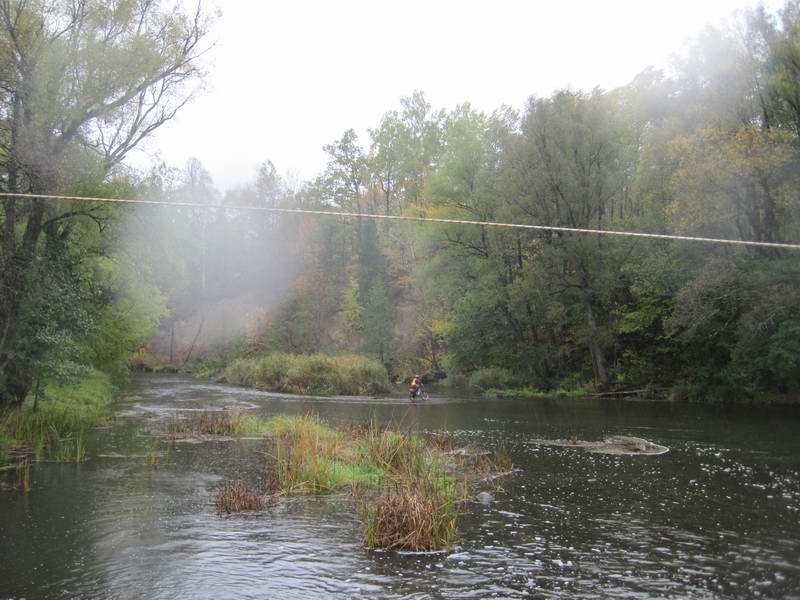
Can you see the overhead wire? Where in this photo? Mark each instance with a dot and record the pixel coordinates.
(410, 218)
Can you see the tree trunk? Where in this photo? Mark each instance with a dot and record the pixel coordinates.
(16, 374)
(598, 356)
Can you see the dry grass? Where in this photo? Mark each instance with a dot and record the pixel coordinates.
(407, 487)
(225, 423)
(236, 497)
(412, 515)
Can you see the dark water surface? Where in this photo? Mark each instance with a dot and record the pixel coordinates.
(716, 517)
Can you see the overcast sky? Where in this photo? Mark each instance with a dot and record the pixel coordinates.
(287, 77)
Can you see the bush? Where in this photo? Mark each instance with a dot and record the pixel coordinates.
(492, 378)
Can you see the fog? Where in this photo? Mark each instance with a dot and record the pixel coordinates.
(285, 78)
(221, 270)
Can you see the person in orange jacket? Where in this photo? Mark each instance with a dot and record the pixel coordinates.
(416, 387)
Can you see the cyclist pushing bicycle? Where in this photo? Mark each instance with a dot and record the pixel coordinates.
(415, 390)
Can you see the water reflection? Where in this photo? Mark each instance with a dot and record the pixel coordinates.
(715, 517)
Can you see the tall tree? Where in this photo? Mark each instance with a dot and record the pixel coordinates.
(82, 84)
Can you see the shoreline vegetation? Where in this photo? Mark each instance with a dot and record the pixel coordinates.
(359, 375)
(56, 431)
(406, 488)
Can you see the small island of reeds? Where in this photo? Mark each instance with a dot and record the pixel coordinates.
(407, 488)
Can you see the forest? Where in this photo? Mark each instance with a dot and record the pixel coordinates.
(708, 148)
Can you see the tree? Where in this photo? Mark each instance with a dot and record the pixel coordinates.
(82, 84)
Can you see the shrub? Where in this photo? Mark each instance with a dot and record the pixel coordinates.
(491, 378)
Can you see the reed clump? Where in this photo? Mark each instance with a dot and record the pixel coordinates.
(414, 515)
(224, 423)
(316, 374)
(235, 497)
(309, 457)
(407, 487)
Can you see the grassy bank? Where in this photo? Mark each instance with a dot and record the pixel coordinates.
(316, 374)
(527, 392)
(57, 430)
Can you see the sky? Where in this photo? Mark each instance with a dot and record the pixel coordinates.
(286, 77)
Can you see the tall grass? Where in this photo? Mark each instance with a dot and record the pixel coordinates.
(228, 423)
(235, 496)
(407, 496)
(57, 430)
(489, 378)
(5, 446)
(413, 514)
(308, 456)
(317, 374)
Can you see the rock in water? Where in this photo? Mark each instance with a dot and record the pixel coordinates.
(484, 498)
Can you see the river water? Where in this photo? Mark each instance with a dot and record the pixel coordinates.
(718, 516)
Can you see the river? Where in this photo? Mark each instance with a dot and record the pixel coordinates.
(718, 516)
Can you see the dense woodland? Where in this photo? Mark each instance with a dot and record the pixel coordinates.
(710, 148)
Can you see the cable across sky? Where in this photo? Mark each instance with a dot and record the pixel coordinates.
(334, 213)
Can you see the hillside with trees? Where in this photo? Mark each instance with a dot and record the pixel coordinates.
(710, 149)
(707, 149)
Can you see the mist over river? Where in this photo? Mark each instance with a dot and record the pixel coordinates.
(718, 516)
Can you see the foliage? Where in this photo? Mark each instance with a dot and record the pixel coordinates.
(711, 150)
(83, 85)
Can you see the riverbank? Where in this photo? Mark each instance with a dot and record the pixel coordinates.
(355, 374)
(57, 429)
(677, 394)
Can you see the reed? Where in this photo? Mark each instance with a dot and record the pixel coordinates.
(227, 423)
(57, 430)
(153, 456)
(316, 374)
(416, 515)
(408, 488)
(24, 476)
(236, 497)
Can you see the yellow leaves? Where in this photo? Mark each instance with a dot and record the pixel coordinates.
(751, 150)
(442, 327)
(725, 174)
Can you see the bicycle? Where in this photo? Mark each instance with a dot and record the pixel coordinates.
(417, 393)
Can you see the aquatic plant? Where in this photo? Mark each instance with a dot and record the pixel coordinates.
(71, 448)
(235, 497)
(24, 476)
(420, 480)
(226, 423)
(413, 514)
(153, 456)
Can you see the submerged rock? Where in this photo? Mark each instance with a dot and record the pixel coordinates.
(484, 498)
(618, 445)
(628, 445)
